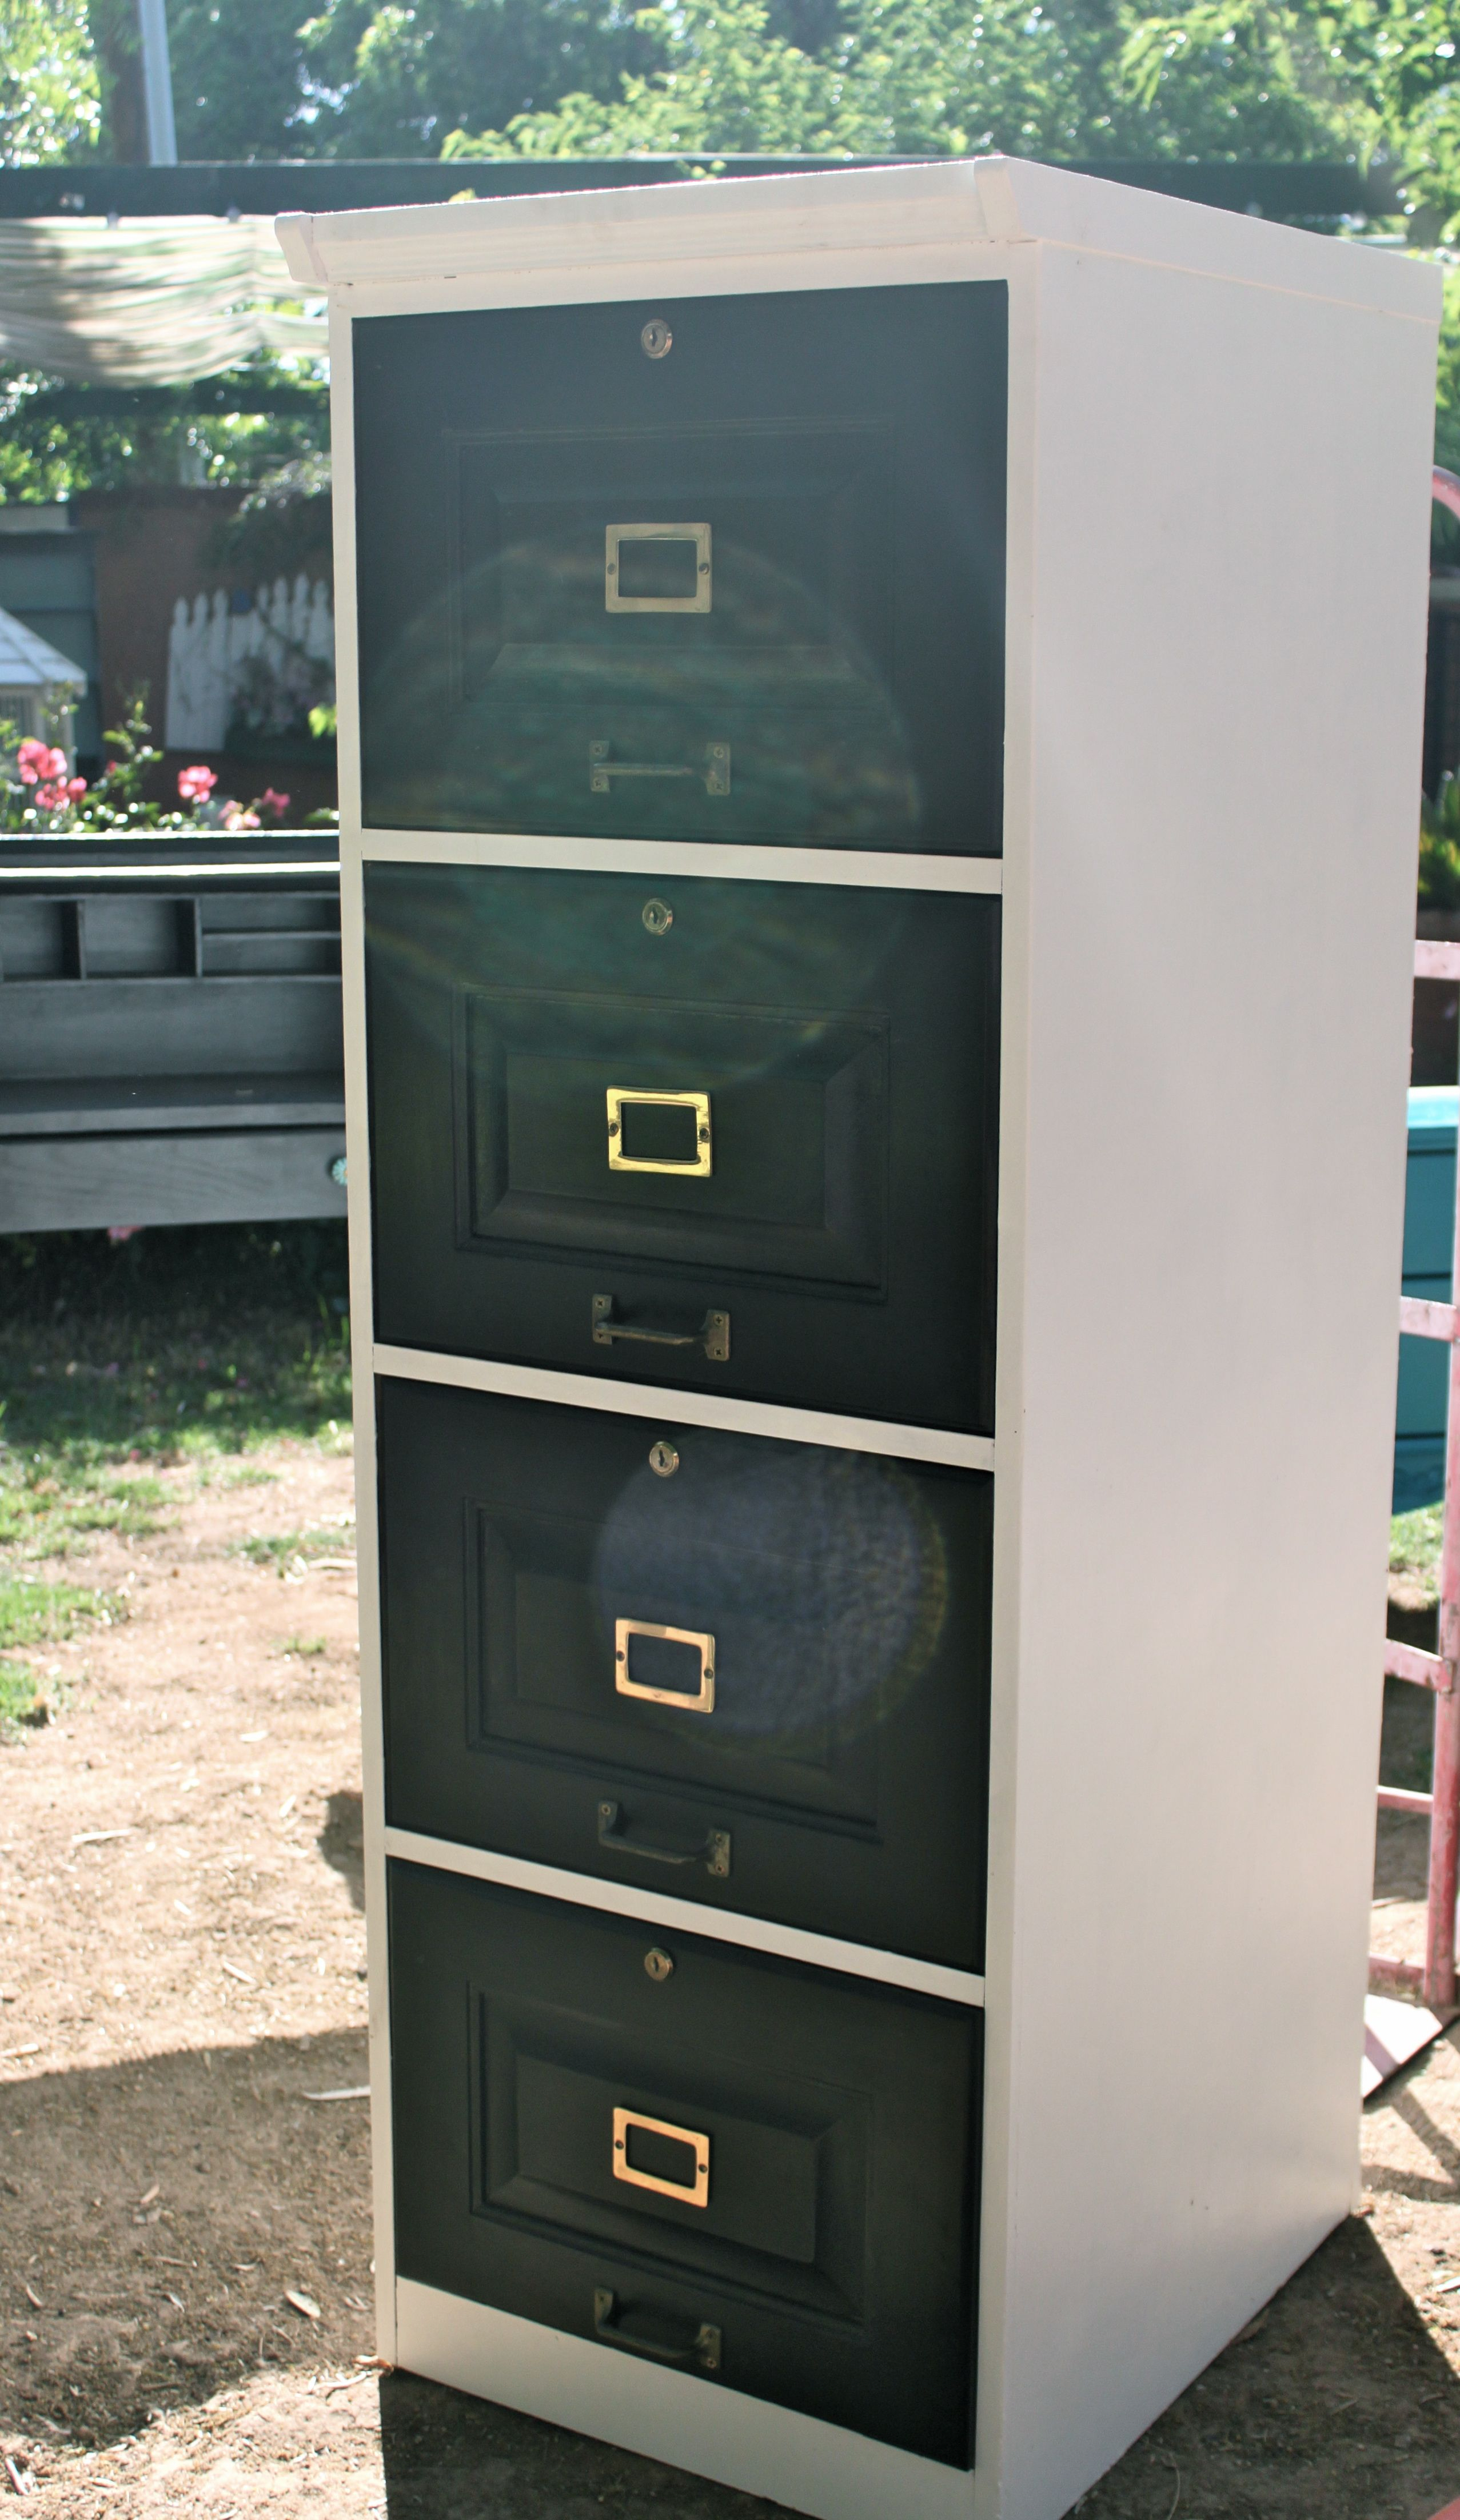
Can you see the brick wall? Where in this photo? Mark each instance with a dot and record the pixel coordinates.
(149, 546)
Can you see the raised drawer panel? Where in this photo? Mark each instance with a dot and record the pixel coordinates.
(809, 1740)
(762, 2174)
(726, 568)
(749, 1128)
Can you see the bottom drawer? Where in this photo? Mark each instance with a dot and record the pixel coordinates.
(762, 2173)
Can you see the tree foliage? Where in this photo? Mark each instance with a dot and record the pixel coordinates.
(239, 87)
(1068, 78)
(49, 98)
(1383, 72)
(388, 77)
(51, 453)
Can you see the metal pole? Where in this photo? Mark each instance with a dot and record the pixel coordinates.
(157, 82)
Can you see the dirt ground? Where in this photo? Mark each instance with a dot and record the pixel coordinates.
(184, 2246)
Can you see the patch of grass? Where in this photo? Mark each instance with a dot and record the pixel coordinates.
(305, 1647)
(24, 1698)
(1414, 1546)
(286, 1548)
(187, 1342)
(45, 1515)
(43, 1614)
(182, 1344)
(185, 1345)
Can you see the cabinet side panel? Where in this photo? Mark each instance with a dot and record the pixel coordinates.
(1215, 921)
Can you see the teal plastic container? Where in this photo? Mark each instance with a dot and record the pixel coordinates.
(1428, 1253)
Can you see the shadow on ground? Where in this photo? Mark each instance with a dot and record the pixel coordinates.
(448, 2457)
(341, 1843)
(156, 2215)
(1337, 2407)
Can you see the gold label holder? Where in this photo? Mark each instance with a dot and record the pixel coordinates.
(695, 1167)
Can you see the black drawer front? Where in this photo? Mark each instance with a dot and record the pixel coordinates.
(812, 2239)
(816, 1067)
(817, 1747)
(751, 589)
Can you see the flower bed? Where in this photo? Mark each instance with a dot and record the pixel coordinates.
(41, 798)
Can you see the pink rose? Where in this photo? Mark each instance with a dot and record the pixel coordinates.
(76, 786)
(278, 805)
(197, 783)
(50, 795)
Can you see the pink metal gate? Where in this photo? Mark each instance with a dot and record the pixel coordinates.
(1434, 1980)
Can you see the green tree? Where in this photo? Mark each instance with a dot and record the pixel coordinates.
(941, 77)
(390, 81)
(730, 84)
(50, 450)
(49, 98)
(239, 80)
(1383, 72)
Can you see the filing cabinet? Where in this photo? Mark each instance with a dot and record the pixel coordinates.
(876, 974)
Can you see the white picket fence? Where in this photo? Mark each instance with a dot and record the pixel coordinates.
(281, 647)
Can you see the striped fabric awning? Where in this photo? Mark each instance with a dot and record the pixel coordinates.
(148, 302)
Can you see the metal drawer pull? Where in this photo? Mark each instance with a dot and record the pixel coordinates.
(696, 1167)
(713, 1334)
(694, 2190)
(716, 773)
(703, 1705)
(713, 1851)
(610, 2324)
(693, 570)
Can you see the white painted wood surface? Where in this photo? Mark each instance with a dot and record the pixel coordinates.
(674, 1408)
(659, 860)
(719, 1924)
(541, 249)
(1218, 504)
(1209, 930)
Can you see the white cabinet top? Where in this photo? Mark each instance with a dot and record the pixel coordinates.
(872, 212)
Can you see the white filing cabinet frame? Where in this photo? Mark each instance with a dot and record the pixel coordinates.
(1220, 444)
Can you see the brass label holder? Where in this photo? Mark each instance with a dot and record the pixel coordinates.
(701, 1704)
(696, 2192)
(614, 539)
(695, 1167)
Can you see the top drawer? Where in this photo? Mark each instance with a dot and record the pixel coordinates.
(717, 568)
